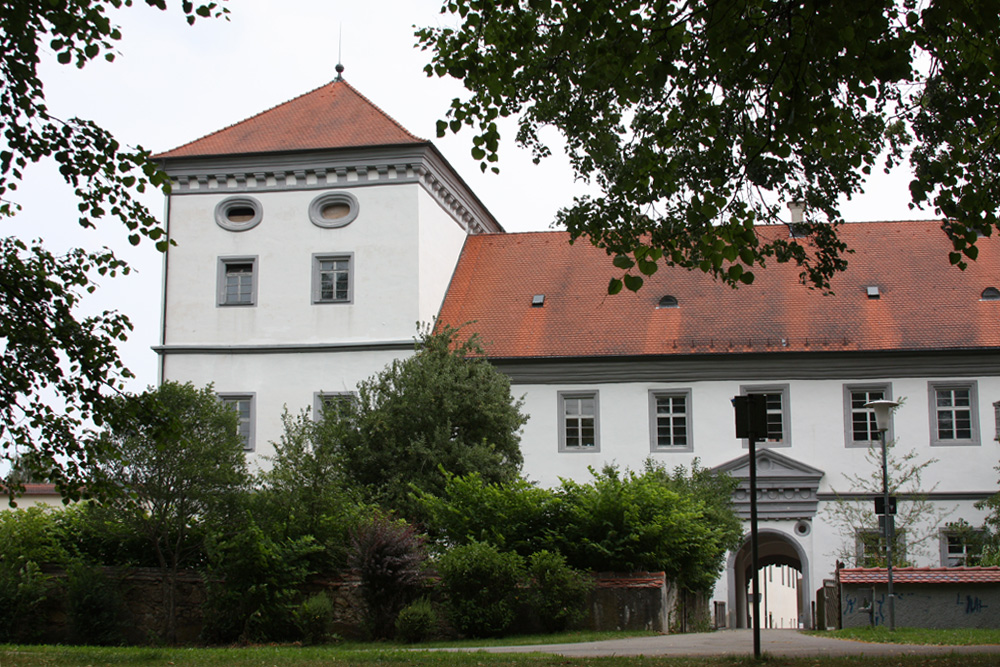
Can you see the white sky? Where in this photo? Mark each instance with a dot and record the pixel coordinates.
(172, 83)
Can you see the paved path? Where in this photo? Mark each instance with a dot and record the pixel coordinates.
(736, 642)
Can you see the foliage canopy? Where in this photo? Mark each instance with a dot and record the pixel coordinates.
(695, 117)
(57, 368)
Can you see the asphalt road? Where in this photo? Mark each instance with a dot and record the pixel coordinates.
(736, 642)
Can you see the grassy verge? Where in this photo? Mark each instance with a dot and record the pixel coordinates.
(288, 656)
(576, 637)
(881, 635)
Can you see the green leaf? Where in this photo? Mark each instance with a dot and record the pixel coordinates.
(614, 286)
(623, 262)
(633, 283)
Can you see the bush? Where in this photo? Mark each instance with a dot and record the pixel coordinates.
(558, 593)
(389, 556)
(316, 619)
(23, 591)
(416, 622)
(481, 584)
(96, 610)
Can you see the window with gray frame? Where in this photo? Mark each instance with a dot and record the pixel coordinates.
(343, 404)
(961, 548)
(870, 548)
(954, 413)
(778, 413)
(237, 281)
(243, 404)
(670, 421)
(579, 427)
(332, 278)
(859, 422)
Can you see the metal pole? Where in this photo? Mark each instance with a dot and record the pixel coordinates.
(754, 551)
(889, 526)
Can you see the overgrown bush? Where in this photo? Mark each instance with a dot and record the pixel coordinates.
(389, 556)
(94, 602)
(481, 584)
(558, 593)
(23, 591)
(253, 586)
(416, 622)
(316, 619)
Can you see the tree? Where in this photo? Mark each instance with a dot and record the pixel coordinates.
(695, 117)
(443, 410)
(916, 522)
(180, 466)
(58, 368)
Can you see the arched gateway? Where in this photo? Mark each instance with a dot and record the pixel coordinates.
(786, 505)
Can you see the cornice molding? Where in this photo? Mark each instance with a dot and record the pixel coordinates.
(419, 164)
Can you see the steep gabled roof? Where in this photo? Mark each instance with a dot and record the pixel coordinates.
(329, 117)
(923, 302)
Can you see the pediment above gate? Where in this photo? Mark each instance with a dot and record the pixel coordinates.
(786, 488)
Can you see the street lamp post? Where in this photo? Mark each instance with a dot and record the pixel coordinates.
(883, 409)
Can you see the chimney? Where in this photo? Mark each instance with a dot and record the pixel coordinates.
(795, 229)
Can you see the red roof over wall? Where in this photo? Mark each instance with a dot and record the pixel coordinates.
(924, 304)
(329, 117)
(921, 575)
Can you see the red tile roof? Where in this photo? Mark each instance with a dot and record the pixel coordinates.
(921, 575)
(331, 116)
(924, 303)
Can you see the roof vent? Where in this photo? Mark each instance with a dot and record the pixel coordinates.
(873, 292)
(991, 294)
(538, 301)
(667, 302)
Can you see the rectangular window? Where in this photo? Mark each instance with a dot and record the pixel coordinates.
(243, 404)
(860, 427)
(237, 281)
(963, 548)
(341, 403)
(870, 546)
(579, 425)
(332, 279)
(670, 421)
(954, 413)
(778, 413)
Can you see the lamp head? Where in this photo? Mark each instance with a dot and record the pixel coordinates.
(883, 408)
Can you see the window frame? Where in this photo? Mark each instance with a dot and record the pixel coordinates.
(944, 537)
(317, 260)
(319, 402)
(972, 386)
(786, 411)
(223, 266)
(654, 417)
(898, 550)
(849, 389)
(232, 398)
(562, 397)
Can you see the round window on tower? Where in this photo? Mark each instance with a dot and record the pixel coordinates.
(333, 209)
(238, 214)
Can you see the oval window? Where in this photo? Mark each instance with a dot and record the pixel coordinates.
(238, 214)
(333, 209)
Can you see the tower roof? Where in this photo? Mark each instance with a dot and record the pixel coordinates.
(332, 116)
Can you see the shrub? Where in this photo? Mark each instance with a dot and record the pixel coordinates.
(416, 622)
(94, 601)
(23, 591)
(389, 556)
(558, 593)
(481, 584)
(316, 619)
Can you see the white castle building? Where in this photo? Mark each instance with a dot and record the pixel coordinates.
(312, 237)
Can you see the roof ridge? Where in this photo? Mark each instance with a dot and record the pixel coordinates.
(377, 107)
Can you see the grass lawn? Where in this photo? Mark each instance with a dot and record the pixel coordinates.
(880, 635)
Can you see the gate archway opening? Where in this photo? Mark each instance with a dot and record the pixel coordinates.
(780, 554)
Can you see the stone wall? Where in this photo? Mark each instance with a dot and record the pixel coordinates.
(929, 605)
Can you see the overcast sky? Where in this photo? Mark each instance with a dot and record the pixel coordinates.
(172, 83)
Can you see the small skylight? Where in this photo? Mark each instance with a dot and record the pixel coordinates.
(667, 302)
(873, 292)
(538, 301)
(991, 294)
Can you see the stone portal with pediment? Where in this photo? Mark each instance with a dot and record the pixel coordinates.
(786, 488)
